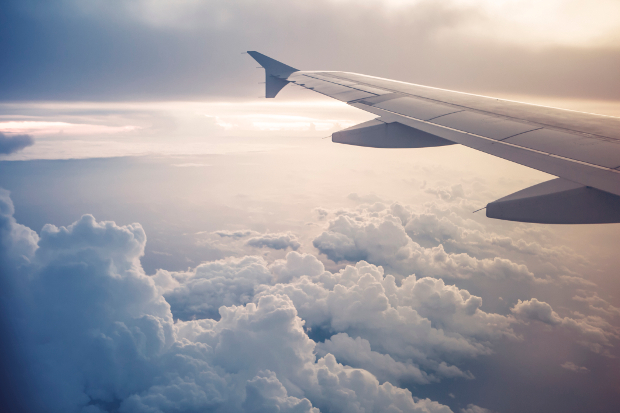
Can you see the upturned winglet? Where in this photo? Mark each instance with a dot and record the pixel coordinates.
(275, 73)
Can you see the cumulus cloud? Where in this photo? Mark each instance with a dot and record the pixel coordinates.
(447, 194)
(420, 324)
(413, 328)
(569, 365)
(448, 225)
(447, 243)
(275, 241)
(472, 408)
(295, 265)
(14, 143)
(357, 352)
(380, 238)
(99, 334)
(200, 293)
(596, 303)
(536, 310)
(18, 242)
(244, 334)
(321, 213)
(593, 331)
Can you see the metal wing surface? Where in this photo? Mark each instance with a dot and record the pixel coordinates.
(581, 149)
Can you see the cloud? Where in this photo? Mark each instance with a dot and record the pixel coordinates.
(368, 199)
(14, 143)
(296, 265)
(420, 324)
(357, 352)
(200, 293)
(235, 234)
(447, 243)
(99, 334)
(446, 43)
(536, 310)
(447, 194)
(275, 241)
(569, 365)
(593, 332)
(321, 213)
(246, 334)
(380, 238)
(596, 303)
(472, 408)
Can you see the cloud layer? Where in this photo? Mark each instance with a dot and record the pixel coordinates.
(13, 143)
(157, 50)
(244, 334)
(99, 335)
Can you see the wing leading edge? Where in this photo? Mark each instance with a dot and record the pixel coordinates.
(581, 149)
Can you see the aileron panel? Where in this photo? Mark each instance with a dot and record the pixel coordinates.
(416, 108)
(569, 145)
(484, 125)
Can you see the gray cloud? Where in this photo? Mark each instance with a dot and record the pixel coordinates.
(569, 365)
(472, 408)
(153, 50)
(275, 241)
(14, 143)
(596, 303)
(592, 331)
(536, 310)
(236, 234)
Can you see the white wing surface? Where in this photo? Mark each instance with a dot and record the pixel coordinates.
(581, 149)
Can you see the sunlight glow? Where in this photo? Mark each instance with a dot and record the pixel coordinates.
(48, 128)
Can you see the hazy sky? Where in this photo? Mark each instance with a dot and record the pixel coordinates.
(169, 242)
(154, 50)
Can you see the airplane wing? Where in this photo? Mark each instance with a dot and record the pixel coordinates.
(581, 149)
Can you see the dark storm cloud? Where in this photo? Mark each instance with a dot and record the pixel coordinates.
(14, 143)
(128, 50)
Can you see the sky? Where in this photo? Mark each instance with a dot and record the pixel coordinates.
(171, 242)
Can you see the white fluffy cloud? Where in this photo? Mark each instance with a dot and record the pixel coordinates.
(244, 334)
(593, 331)
(199, 293)
(422, 325)
(99, 335)
(444, 241)
(380, 238)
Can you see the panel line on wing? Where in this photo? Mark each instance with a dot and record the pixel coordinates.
(335, 83)
(446, 114)
(505, 143)
(497, 115)
(520, 133)
(462, 93)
